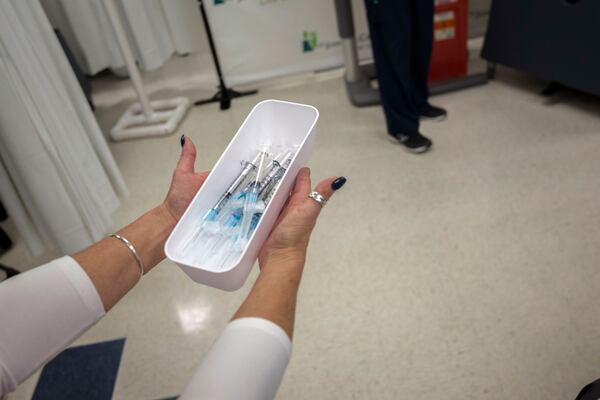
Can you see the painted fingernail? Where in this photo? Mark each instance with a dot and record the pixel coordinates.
(182, 140)
(338, 183)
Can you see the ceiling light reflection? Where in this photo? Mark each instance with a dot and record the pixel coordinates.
(193, 317)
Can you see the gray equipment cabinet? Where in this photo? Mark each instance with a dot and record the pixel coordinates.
(558, 40)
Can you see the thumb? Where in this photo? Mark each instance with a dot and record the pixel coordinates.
(188, 155)
(326, 188)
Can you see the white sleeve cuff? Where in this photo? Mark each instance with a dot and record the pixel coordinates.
(42, 311)
(84, 286)
(264, 325)
(247, 361)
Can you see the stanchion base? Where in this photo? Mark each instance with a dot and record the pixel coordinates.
(165, 118)
(224, 97)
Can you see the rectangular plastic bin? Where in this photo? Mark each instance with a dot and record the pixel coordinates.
(274, 122)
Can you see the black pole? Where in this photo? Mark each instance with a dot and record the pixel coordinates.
(224, 95)
(211, 43)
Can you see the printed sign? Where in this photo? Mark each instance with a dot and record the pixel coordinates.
(261, 39)
(444, 26)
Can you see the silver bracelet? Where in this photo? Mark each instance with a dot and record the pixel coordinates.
(133, 251)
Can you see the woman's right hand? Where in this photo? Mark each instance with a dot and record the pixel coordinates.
(281, 259)
(290, 236)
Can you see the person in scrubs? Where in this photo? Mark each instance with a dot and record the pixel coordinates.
(402, 39)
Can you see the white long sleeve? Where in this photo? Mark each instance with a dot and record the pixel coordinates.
(41, 312)
(247, 362)
(44, 310)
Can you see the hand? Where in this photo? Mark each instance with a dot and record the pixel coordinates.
(185, 183)
(290, 236)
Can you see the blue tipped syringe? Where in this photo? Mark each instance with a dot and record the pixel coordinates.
(272, 176)
(268, 190)
(214, 247)
(250, 202)
(212, 214)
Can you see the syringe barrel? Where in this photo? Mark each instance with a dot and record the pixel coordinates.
(222, 201)
(248, 168)
(269, 177)
(268, 193)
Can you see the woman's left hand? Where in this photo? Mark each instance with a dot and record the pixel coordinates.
(185, 182)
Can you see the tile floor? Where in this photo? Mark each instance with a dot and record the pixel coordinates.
(468, 273)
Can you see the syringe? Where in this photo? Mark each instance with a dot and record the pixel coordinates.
(211, 215)
(250, 203)
(268, 191)
(213, 249)
(271, 176)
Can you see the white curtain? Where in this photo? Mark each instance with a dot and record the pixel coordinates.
(58, 179)
(185, 25)
(87, 30)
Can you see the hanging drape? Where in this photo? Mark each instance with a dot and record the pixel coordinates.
(87, 30)
(185, 26)
(58, 179)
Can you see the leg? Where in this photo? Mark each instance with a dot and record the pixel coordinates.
(390, 27)
(422, 44)
(491, 70)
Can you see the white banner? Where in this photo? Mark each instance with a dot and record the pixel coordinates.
(261, 39)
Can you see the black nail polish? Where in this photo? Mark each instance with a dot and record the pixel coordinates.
(182, 140)
(338, 183)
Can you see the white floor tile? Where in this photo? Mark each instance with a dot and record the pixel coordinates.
(466, 273)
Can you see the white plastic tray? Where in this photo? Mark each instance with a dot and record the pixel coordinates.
(279, 123)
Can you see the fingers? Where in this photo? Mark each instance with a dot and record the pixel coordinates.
(326, 188)
(188, 155)
(203, 175)
(302, 185)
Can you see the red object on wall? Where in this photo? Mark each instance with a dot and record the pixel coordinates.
(449, 55)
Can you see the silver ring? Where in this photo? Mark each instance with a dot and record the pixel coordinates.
(319, 198)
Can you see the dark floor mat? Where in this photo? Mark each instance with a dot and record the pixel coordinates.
(84, 372)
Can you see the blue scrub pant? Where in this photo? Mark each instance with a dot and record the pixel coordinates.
(402, 39)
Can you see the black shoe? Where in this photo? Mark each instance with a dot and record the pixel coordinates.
(433, 113)
(415, 143)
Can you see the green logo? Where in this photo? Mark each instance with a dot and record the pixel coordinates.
(309, 41)
(217, 2)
